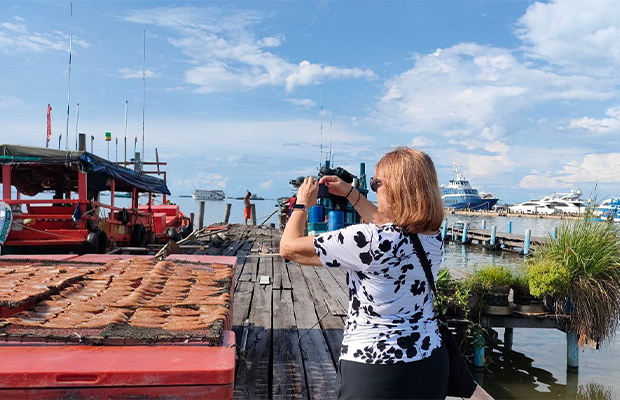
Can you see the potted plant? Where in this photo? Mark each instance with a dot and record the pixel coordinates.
(493, 283)
(581, 270)
(452, 295)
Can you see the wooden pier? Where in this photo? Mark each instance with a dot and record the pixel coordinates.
(288, 319)
(492, 240)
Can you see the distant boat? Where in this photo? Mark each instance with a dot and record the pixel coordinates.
(460, 195)
(556, 203)
(208, 195)
(609, 210)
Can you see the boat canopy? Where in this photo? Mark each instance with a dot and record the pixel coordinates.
(37, 169)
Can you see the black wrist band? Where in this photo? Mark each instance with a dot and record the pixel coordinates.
(358, 199)
(347, 196)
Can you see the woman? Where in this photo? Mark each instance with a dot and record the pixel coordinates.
(391, 346)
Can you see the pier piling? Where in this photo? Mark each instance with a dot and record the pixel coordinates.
(484, 224)
(464, 236)
(572, 349)
(444, 229)
(191, 220)
(554, 233)
(253, 214)
(201, 214)
(509, 226)
(227, 213)
(526, 243)
(508, 336)
(478, 350)
(493, 233)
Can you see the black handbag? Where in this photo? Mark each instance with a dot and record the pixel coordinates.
(460, 381)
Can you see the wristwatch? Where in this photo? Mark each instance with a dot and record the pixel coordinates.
(300, 207)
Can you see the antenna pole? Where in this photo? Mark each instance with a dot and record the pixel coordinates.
(321, 157)
(331, 137)
(143, 86)
(69, 86)
(77, 121)
(126, 104)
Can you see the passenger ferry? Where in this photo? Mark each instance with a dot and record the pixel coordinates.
(460, 195)
(208, 195)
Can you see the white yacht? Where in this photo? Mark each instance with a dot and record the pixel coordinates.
(556, 203)
(200, 194)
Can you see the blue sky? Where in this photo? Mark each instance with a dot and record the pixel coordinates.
(523, 95)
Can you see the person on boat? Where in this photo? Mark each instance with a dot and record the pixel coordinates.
(290, 203)
(391, 347)
(247, 206)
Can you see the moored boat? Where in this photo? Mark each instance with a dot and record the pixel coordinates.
(200, 194)
(459, 195)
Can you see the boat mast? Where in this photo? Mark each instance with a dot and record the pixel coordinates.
(126, 104)
(77, 121)
(69, 85)
(331, 138)
(143, 87)
(321, 116)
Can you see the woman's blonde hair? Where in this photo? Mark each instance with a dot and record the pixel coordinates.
(410, 188)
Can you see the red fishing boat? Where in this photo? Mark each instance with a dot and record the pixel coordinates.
(75, 218)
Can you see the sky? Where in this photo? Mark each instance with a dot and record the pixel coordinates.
(523, 96)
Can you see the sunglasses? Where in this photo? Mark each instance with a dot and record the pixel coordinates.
(374, 184)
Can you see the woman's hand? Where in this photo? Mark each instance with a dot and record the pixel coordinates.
(335, 185)
(308, 192)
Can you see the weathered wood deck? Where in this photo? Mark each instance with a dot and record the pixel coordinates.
(288, 331)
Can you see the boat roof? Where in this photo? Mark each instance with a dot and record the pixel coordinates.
(55, 168)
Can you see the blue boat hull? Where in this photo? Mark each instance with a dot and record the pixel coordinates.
(474, 204)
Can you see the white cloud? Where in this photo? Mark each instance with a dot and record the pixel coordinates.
(226, 54)
(304, 103)
(266, 185)
(129, 73)
(582, 34)
(486, 165)
(467, 87)
(203, 180)
(15, 37)
(536, 180)
(599, 126)
(10, 102)
(422, 141)
(603, 168)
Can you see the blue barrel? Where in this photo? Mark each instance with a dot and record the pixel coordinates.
(335, 220)
(316, 214)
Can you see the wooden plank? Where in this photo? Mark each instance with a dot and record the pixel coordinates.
(318, 363)
(332, 325)
(250, 267)
(333, 288)
(241, 307)
(520, 322)
(289, 380)
(340, 275)
(254, 369)
(281, 279)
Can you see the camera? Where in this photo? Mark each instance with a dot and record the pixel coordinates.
(323, 192)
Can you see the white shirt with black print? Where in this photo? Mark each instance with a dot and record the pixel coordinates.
(390, 317)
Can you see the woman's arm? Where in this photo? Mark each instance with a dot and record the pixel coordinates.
(335, 185)
(294, 245)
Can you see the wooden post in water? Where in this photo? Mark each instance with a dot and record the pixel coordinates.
(253, 214)
(227, 213)
(508, 335)
(493, 233)
(191, 220)
(526, 243)
(572, 348)
(201, 214)
(554, 233)
(478, 349)
(509, 226)
(464, 237)
(484, 224)
(444, 229)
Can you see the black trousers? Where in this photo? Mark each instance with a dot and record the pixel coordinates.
(424, 379)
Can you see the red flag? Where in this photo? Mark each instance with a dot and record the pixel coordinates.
(49, 126)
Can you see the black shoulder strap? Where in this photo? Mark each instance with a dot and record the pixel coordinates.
(419, 250)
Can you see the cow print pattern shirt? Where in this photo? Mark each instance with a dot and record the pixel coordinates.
(390, 317)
